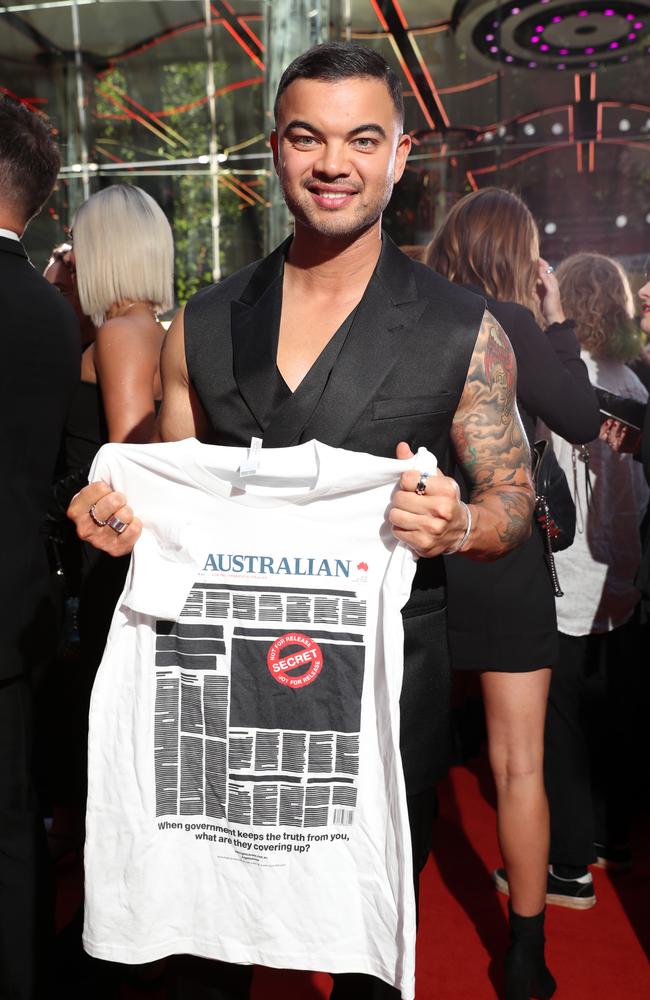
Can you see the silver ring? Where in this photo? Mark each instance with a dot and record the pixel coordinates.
(550, 269)
(98, 521)
(115, 523)
(421, 485)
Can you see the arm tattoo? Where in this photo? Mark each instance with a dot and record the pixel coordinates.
(488, 437)
(518, 511)
(499, 367)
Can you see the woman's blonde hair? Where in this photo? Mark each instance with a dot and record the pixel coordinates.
(489, 239)
(596, 295)
(124, 251)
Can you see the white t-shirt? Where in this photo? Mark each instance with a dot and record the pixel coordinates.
(597, 572)
(246, 799)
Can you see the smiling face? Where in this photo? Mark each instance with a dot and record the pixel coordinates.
(338, 149)
(644, 296)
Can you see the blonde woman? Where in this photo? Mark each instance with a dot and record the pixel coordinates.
(501, 615)
(588, 756)
(123, 258)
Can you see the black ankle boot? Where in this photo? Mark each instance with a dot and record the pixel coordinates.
(526, 972)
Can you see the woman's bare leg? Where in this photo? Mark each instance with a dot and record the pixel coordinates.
(515, 708)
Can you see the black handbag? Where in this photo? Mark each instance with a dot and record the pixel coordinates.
(555, 511)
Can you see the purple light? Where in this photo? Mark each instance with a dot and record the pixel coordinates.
(494, 49)
(509, 58)
(532, 65)
(556, 19)
(564, 52)
(544, 48)
(608, 13)
(593, 65)
(561, 66)
(515, 10)
(535, 39)
(638, 25)
(630, 17)
(589, 52)
(489, 38)
(623, 59)
(613, 45)
(540, 28)
(631, 36)
(583, 13)
(545, 1)
(495, 24)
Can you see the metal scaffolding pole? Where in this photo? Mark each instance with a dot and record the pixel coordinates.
(214, 153)
(81, 119)
(293, 26)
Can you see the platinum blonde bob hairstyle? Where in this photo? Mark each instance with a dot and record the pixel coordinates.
(124, 252)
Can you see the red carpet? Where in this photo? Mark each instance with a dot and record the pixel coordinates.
(598, 954)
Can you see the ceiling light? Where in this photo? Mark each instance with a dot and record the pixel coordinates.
(557, 128)
(550, 228)
(621, 221)
(624, 125)
(529, 128)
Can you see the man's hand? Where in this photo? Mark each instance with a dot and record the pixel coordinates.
(620, 437)
(429, 523)
(105, 504)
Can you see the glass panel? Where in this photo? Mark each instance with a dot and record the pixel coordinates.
(128, 85)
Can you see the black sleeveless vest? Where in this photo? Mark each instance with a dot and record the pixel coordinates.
(397, 375)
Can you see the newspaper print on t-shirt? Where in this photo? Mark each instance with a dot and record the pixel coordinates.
(258, 693)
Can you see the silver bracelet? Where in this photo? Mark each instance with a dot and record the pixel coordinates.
(461, 543)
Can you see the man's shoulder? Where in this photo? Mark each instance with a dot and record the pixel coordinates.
(226, 290)
(21, 282)
(432, 285)
(509, 310)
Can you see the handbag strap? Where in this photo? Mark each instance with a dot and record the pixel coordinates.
(580, 453)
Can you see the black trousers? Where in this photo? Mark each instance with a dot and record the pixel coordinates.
(588, 754)
(26, 913)
(198, 979)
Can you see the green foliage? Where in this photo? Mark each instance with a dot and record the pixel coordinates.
(183, 191)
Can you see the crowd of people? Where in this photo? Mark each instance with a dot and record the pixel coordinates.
(474, 352)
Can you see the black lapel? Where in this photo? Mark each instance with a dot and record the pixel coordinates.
(372, 347)
(254, 326)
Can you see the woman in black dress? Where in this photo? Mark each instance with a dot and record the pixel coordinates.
(502, 614)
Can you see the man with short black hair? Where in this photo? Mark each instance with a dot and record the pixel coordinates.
(340, 337)
(40, 351)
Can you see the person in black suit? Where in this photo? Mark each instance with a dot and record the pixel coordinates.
(338, 336)
(40, 369)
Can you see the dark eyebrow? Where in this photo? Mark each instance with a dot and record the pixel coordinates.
(369, 127)
(297, 123)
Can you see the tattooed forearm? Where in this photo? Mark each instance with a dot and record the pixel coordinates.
(518, 513)
(491, 446)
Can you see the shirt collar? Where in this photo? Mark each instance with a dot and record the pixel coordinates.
(10, 235)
